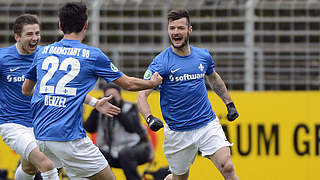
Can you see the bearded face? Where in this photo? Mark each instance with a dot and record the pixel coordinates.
(179, 32)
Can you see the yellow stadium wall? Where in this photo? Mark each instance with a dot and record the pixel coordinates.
(276, 137)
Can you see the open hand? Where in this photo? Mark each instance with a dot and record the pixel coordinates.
(105, 107)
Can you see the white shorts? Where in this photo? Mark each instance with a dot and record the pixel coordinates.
(19, 138)
(181, 147)
(79, 158)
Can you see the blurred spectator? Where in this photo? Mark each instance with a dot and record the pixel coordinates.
(122, 139)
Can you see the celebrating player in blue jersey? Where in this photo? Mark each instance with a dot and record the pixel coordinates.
(15, 108)
(63, 73)
(191, 125)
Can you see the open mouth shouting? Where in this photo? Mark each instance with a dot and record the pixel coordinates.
(33, 46)
(29, 48)
(177, 41)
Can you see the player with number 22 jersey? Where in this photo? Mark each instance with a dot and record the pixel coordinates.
(65, 72)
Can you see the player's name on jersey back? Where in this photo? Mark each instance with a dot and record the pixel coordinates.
(57, 101)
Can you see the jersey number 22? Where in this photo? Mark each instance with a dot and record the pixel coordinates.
(60, 87)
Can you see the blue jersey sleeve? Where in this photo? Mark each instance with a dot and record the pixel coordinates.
(105, 69)
(211, 65)
(155, 66)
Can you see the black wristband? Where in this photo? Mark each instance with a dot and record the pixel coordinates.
(149, 118)
(229, 105)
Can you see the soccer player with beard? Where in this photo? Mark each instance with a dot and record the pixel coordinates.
(191, 125)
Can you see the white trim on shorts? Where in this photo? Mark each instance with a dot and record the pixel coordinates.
(19, 138)
(79, 158)
(181, 148)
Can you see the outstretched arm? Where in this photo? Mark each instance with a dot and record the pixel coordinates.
(219, 87)
(136, 84)
(102, 105)
(154, 123)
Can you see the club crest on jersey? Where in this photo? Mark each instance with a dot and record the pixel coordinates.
(147, 74)
(201, 67)
(114, 68)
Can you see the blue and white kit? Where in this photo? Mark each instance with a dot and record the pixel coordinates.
(14, 106)
(183, 96)
(65, 73)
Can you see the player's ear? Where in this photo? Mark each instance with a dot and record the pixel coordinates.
(190, 29)
(16, 37)
(86, 24)
(60, 27)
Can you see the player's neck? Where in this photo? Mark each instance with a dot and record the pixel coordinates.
(21, 51)
(74, 36)
(185, 51)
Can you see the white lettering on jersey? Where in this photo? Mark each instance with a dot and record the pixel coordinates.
(15, 78)
(66, 51)
(57, 101)
(186, 77)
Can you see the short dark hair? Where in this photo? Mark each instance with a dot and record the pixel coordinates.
(178, 14)
(72, 17)
(24, 19)
(113, 86)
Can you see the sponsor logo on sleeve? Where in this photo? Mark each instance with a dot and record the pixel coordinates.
(114, 68)
(147, 74)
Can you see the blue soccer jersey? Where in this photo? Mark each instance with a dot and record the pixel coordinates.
(65, 72)
(183, 95)
(14, 106)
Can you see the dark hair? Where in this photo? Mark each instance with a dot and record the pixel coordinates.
(178, 14)
(22, 20)
(113, 86)
(72, 17)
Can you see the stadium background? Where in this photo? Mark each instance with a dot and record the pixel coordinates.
(267, 51)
